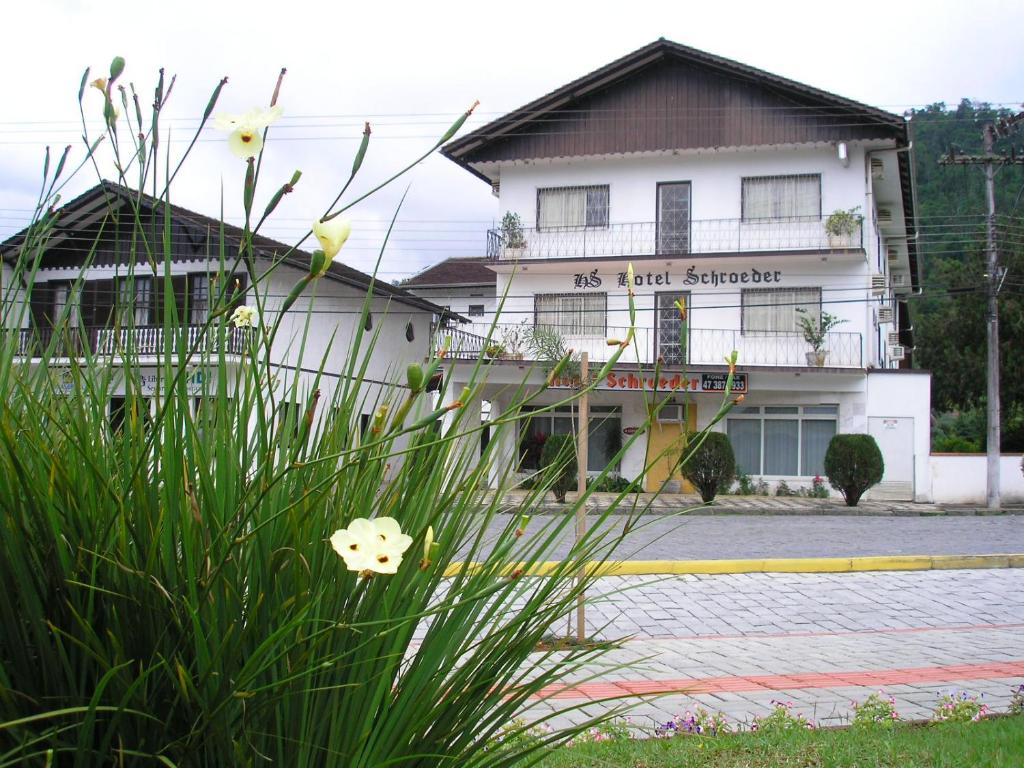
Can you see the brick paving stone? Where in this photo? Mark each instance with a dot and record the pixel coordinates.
(915, 634)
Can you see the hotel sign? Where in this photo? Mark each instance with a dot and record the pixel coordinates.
(710, 277)
(635, 381)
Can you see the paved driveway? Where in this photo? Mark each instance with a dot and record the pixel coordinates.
(733, 643)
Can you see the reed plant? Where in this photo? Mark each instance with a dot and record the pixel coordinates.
(263, 579)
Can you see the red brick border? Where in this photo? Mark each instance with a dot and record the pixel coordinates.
(736, 683)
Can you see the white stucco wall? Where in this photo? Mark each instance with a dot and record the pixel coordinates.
(459, 298)
(902, 394)
(960, 478)
(715, 180)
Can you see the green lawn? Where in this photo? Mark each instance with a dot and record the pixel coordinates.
(993, 742)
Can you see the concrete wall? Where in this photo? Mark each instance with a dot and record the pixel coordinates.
(459, 298)
(901, 394)
(959, 478)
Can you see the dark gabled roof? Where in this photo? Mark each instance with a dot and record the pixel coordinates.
(454, 272)
(96, 203)
(831, 119)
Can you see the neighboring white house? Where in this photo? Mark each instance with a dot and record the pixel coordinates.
(110, 302)
(716, 181)
(465, 286)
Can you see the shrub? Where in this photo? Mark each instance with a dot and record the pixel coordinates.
(783, 489)
(959, 707)
(818, 489)
(744, 485)
(698, 722)
(853, 464)
(781, 720)
(711, 467)
(876, 711)
(559, 459)
(611, 484)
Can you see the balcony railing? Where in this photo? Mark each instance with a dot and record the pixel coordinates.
(650, 239)
(142, 341)
(705, 346)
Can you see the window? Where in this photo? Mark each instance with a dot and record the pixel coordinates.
(774, 310)
(574, 314)
(572, 207)
(129, 410)
(476, 310)
(604, 439)
(135, 303)
(782, 197)
(786, 440)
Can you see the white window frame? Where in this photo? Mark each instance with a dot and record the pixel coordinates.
(749, 301)
(577, 209)
(803, 413)
(476, 310)
(777, 198)
(590, 318)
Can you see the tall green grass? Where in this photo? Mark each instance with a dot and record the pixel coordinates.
(169, 591)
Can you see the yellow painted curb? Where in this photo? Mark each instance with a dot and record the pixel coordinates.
(772, 565)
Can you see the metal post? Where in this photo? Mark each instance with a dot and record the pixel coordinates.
(582, 436)
(992, 331)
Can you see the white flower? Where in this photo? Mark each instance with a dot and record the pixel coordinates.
(355, 543)
(244, 317)
(245, 139)
(372, 545)
(332, 235)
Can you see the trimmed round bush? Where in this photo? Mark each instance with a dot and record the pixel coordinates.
(560, 452)
(712, 467)
(853, 463)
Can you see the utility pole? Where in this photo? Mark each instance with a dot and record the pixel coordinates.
(989, 159)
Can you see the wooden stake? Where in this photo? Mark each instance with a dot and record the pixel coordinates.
(582, 436)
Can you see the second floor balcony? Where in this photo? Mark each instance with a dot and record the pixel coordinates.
(705, 346)
(700, 236)
(139, 341)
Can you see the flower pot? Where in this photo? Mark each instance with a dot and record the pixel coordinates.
(513, 253)
(817, 358)
(841, 240)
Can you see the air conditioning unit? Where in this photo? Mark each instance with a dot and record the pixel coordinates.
(892, 254)
(899, 280)
(670, 414)
(893, 338)
(885, 315)
(884, 216)
(897, 352)
(878, 284)
(496, 188)
(877, 168)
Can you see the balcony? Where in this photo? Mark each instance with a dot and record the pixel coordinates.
(648, 239)
(138, 341)
(706, 346)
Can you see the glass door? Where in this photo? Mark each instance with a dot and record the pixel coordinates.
(673, 218)
(668, 324)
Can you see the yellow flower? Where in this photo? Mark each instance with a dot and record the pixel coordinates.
(246, 140)
(244, 317)
(332, 236)
(100, 84)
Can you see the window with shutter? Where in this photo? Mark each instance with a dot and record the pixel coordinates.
(776, 310)
(573, 314)
(562, 207)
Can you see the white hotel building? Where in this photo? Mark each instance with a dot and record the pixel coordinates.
(715, 180)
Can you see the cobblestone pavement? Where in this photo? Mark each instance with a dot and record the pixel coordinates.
(733, 643)
(757, 536)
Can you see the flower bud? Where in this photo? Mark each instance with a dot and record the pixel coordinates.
(116, 68)
(414, 377)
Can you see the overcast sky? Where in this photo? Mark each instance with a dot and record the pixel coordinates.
(411, 68)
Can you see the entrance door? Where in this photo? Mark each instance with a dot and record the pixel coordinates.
(673, 218)
(667, 323)
(664, 446)
(895, 438)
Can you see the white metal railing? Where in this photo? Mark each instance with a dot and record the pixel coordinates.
(649, 239)
(705, 346)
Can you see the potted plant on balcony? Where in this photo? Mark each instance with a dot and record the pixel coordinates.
(494, 351)
(512, 241)
(515, 338)
(841, 225)
(815, 333)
